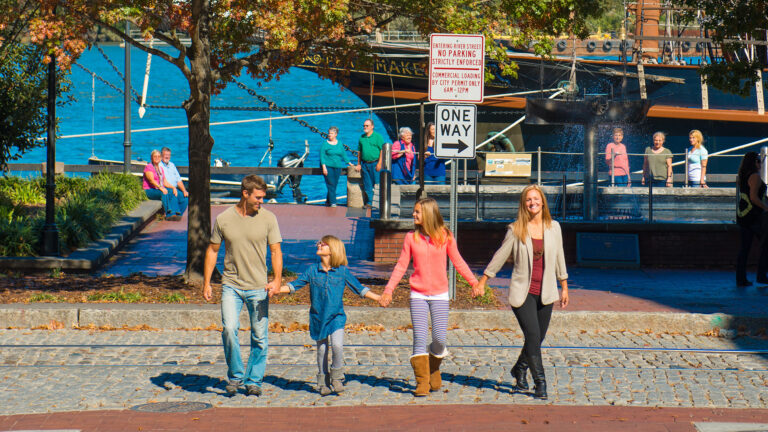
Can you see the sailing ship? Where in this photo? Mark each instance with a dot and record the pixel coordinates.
(663, 69)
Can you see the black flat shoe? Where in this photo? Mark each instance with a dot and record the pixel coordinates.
(744, 283)
(762, 280)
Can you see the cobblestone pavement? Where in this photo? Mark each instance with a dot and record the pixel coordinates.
(69, 370)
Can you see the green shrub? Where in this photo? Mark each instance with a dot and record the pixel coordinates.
(86, 211)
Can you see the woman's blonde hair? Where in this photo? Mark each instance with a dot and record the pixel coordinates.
(520, 226)
(152, 154)
(699, 137)
(432, 224)
(338, 252)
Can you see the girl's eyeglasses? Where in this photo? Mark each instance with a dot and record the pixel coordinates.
(321, 244)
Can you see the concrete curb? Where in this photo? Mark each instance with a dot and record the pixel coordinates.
(91, 257)
(170, 316)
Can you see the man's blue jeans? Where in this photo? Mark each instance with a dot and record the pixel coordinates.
(257, 302)
(368, 171)
(170, 204)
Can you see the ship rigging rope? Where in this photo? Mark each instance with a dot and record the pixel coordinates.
(231, 122)
(117, 71)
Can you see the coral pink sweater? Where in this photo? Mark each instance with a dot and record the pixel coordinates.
(430, 275)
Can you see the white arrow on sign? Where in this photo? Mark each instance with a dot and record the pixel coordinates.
(455, 127)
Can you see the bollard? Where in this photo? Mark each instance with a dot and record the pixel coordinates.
(385, 184)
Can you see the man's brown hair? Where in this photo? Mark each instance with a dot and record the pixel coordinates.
(252, 182)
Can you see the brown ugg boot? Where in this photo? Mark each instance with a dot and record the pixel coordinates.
(420, 364)
(435, 380)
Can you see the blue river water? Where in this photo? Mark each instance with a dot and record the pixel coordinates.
(242, 144)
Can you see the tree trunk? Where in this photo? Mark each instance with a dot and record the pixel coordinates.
(199, 216)
(198, 108)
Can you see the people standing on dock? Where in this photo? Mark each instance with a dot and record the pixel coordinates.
(751, 218)
(535, 243)
(429, 245)
(246, 230)
(174, 179)
(369, 159)
(403, 158)
(327, 281)
(697, 159)
(156, 186)
(617, 159)
(333, 158)
(434, 168)
(657, 163)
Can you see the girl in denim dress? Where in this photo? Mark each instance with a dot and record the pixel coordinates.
(326, 281)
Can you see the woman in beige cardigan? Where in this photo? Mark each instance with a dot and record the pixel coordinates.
(535, 243)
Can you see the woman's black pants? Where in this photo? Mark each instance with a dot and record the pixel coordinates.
(533, 317)
(748, 233)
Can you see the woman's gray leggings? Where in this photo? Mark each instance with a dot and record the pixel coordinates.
(337, 349)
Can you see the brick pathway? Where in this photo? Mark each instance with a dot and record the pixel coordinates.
(402, 418)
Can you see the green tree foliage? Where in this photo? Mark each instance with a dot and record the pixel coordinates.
(266, 38)
(22, 101)
(729, 24)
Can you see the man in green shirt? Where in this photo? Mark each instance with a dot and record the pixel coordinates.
(369, 159)
(246, 229)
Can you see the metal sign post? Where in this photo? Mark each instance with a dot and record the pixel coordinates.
(453, 225)
(456, 74)
(455, 127)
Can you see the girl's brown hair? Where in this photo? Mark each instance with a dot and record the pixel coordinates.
(432, 224)
(338, 252)
(520, 226)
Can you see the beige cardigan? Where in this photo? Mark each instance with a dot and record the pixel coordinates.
(522, 257)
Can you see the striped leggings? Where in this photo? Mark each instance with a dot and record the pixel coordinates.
(421, 309)
(336, 341)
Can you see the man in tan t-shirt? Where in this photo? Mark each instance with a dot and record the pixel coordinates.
(246, 229)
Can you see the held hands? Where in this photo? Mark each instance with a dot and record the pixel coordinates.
(163, 190)
(385, 299)
(272, 288)
(479, 288)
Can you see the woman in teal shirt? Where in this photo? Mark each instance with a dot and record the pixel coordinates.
(333, 159)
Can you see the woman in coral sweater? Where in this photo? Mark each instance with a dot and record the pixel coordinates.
(430, 244)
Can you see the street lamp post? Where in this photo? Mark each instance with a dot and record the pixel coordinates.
(50, 231)
(127, 105)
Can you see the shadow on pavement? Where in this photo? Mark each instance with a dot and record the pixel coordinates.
(392, 384)
(190, 382)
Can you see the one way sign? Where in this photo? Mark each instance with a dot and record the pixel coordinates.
(455, 131)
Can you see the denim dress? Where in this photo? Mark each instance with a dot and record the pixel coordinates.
(326, 289)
